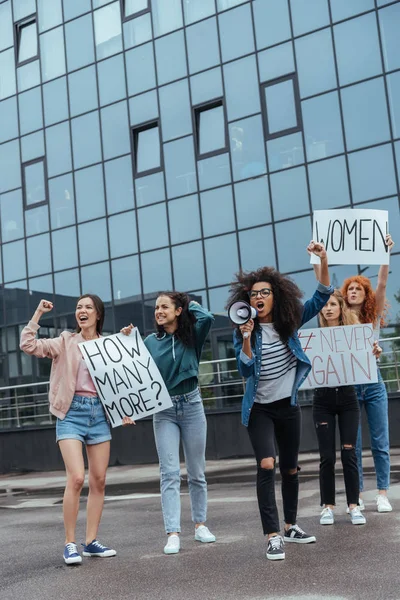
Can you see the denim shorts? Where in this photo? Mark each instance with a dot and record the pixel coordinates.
(85, 421)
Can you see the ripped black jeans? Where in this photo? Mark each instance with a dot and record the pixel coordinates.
(328, 404)
(281, 421)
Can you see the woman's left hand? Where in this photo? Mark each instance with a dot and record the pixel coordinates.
(127, 421)
(389, 242)
(376, 350)
(316, 248)
(127, 330)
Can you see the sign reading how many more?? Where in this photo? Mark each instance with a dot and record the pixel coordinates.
(126, 377)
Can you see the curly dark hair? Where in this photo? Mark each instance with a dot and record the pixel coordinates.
(287, 308)
(186, 320)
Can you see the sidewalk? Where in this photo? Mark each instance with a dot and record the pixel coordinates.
(145, 478)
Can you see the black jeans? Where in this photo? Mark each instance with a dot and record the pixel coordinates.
(329, 403)
(282, 421)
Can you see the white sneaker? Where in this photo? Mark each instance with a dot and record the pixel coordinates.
(357, 518)
(382, 503)
(173, 544)
(361, 506)
(203, 534)
(327, 516)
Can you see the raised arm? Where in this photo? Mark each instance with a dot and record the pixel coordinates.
(204, 320)
(30, 344)
(321, 271)
(383, 274)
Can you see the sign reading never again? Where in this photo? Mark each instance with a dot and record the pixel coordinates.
(126, 377)
(352, 236)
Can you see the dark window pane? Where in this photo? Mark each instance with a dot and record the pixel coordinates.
(12, 222)
(62, 210)
(239, 104)
(285, 186)
(261, 238)
(126, 278)
(175, 110)
(217, 211)
(236, 31)
(322, 126)
(14, 264)
(285, 151)
(389, 24)
(37, 220)
(28, 42)
(211, 129)
(329, 184)
(137, 31)
(86, 139)
(111, 73)
(119, 184)
(62, 239)
(93, 241)
(180, 170)
(52, 54)
(55, 100)
(149, 189)
(153, 227)
(79, 42)
(156, 271)
(140, 69)
(308, 15)
(206, 86)
(188, 264)
(315, 63)
(252, 202)
(202, 45)
(96, 280)
(247, 148)
(108, 30)
(39, 255)
(58, 146)
(122, 231)
(34, 183)
(147, 144)
(89, 188)
(372, 173)
(281, 106)
(10, 171)
(184, 219)
(171, 57)
(221, 270)
(83, 91)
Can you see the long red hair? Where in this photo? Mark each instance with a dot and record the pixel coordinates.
(369, 310)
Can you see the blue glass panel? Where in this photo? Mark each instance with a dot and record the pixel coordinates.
(62, 208)
(30, 111)
(62, 239)
(137, 31)
(8, 119)
(153, 227)
(123, 236)
(217, 212)
(175, 110)
(218, 297)
(43, 285)
(184, 219)
(119, 184)
(6, 26)
(171, 58)
(322, 126)
(188, 264)
(156, 271)
(49, 14)
(397, 149)
(285, 151)
(52, 54)
(341, 9)
(365, 114)
(37, 220)
(285, 186)
(393, 82)
(93, 242)
(126, 277)
(115, 130)
(195, 10)
(86, 140)
(108, 30)
(329, 185)
(271, 21)
(293, 256)
(214, 171)
(143, 108)
(89, 189)
(28, 42)
(239, 104)
(67, 288)
(10, 166)
(315, 63)
(131, 7)
(206, 86)
(12, 220)
(211, 130)
(79, 42)
(39, 254)
(149, 189)
(96, 280)
(28, 76)
(180, 170)
(167, 16)
(357, 49)
(392, 206)
(261, 238)
(276, 62)
(140, 69)
(252, 202)
(225, 248)
(247, 148)
(148, 155)
(55, 99)
(372, 173)
(73, 8)
(225, 4)
(308, 15)
(83, 91)
(7, 70)
(236, 33)
(202, 45)
(14, 264)
(281, 106)
(34, 183)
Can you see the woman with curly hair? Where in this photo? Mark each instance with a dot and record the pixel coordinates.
(370, 307)
(269, 355)
(182, 327)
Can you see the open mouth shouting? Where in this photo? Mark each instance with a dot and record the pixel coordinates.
(260, 305)
(82, 319)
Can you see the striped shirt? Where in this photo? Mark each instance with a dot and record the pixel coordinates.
(278, 367)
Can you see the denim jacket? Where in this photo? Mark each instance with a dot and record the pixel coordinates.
(249, 368)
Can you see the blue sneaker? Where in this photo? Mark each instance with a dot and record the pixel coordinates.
(97, 549)
(71, 554)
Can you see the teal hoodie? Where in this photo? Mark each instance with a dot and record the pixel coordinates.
(178, 364)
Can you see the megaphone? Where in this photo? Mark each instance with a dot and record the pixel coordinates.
(240, 312)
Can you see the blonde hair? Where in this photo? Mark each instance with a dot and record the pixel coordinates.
(346, 317)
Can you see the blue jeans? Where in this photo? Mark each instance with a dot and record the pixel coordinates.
(185, 421)
(373, 398)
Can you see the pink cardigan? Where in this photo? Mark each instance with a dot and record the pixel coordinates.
(64, 352)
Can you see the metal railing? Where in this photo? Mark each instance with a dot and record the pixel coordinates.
(221, 386)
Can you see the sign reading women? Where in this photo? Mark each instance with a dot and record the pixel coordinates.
(126, 377)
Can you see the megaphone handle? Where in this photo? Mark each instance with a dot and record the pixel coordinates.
(246, 334)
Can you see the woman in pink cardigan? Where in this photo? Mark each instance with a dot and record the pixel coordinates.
(80, 419)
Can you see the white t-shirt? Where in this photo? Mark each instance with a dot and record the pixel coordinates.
(278, 367)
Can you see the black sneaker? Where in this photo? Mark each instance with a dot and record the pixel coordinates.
(297, 535)
(275, 549)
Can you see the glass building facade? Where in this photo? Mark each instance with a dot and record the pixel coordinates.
(158, 144)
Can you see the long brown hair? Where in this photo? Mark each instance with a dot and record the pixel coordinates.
(186, 320)
(347, 317)
(369, 310)
(99, 307)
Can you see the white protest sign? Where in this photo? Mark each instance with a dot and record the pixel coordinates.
(339, 355)
(352, 236)
(126, 377)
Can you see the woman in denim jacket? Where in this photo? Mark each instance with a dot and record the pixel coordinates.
(269, 355)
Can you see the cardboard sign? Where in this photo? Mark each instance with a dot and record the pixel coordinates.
(126, 377)
(352, 236)
(339, 355)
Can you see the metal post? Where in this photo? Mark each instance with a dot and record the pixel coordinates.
(17, 407)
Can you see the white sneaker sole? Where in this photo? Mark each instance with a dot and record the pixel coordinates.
(171, 550)
(359, 522)
(77, 560)
(308, 540)
(107, 554)
(383, 510)
(276, 556)
(327, 522)
(206, 540)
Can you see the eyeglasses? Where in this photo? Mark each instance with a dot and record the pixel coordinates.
(264, 293)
